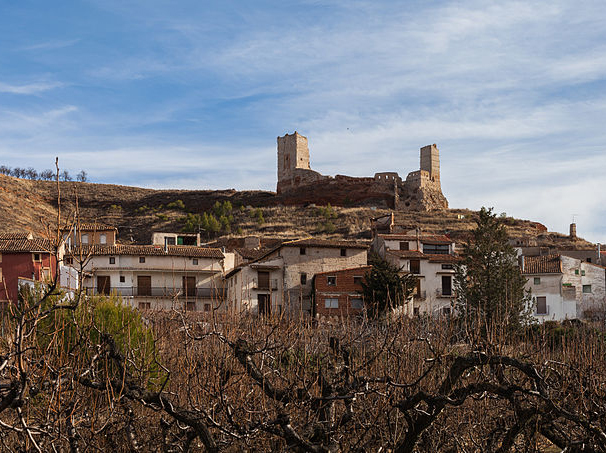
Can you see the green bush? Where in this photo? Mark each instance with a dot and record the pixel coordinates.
(178, 204)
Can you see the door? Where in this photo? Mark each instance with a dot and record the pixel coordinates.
(189, 286)
(446, 285)
(144, 285)
(415, 266)
(264, 304)
(103, 284)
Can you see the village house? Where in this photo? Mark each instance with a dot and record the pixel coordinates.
(281, 280)
(564, 288)
(89, 234)
(155, 277)
(25, 258)
(431, 259)
(339, 292)
(160, 238)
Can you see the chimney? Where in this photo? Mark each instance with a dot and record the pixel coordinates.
(573, 231)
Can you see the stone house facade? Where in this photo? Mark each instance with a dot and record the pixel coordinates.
(281, 280)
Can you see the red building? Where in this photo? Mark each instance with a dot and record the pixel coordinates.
(338, 293)
(24, 257)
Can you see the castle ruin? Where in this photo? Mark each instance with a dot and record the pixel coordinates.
(298, 183)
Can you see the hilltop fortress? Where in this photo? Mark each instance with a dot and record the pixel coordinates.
(298, 183)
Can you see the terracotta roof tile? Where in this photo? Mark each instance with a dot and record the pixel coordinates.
(547, 264)
(94, 226)
(408, 254)
(312, 242)
(425, 238)
(152, 250)
(25, 245)
(444, 258)
(15, 236)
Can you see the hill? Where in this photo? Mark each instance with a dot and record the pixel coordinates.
(27, 205)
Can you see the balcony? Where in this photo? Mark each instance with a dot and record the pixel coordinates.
(420, 295)
(442, 292)
(161, 292)
(267, 285)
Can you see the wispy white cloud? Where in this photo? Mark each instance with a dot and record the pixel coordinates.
(49, 45)
(29, 88)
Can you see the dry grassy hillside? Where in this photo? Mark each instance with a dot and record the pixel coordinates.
(32, 206)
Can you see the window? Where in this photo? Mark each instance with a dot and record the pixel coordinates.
(37, 257)
(357, 303)
(112, 260)
(576, 272)
(331, 280)
(169, 240)
(541, 305)
(587, 289)
(343, 252)
(303, 278)
(358, 280)
(144, 305)
(206, 307)
(436, 249)
(404, 245)
(446, 285)
(589, 260)
(446, 311)
(415, 266)
(122, 279)
(194, 261)
(191, 305)
(103, 239)
(84, 238)
(142, 259)
(331, 303)
(68, 260)
(447, 266)
(537, 280)
(301, 250)
(582, 273)
(415, 311)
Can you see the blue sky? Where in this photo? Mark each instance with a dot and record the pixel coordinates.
(190, 94)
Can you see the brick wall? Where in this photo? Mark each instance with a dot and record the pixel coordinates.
(345, 288)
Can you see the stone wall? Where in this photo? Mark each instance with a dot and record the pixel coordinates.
(299, 184)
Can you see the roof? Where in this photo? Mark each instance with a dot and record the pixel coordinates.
(251, 254)
(360, 268)
(407, 253)
(25, 245)
(443, 258)
(152, 250)
(94, 226)
(425, 238)
(312, 242)
(15, 236)
(546, 264)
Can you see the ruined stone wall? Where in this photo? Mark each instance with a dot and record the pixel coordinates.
(299, 184)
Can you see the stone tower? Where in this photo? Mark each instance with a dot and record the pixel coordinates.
(293, 155)
(430, 161)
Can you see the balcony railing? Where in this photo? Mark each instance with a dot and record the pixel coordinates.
(545, 313)
(420, 295)
(156, 291)
(272, 284)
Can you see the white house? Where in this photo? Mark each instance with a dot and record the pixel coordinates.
(563, 287)
(429, 257)
(154, 277)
